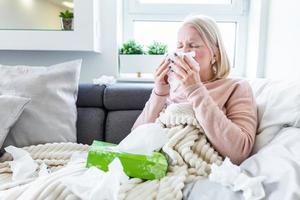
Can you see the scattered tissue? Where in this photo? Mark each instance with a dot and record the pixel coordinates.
(23, 166)
(137, 143)
(230, 175)
(104, 80)
(95, 184)
(78, 157)
(44, 171)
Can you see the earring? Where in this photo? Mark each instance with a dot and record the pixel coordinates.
(212, 61)
(214, 69)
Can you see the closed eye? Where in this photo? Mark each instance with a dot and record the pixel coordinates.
(196, 46)
(179, 46)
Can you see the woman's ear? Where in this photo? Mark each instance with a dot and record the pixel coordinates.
(215, 57)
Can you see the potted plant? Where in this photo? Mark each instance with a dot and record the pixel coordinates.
(133, 59)
(157, 48)
(66, 20)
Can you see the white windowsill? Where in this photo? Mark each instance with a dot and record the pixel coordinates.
(136, 80)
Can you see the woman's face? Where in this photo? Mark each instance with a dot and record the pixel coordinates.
(189, 39)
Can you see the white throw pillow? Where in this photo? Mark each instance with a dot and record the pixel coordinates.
(51, 114)
(11, 107)
(278, 106)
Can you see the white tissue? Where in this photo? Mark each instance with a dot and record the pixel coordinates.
(44, 171)
(174, 83)
(22, 166)
(110, 184)
(190, 56)
(143, 140)
(104, 80)
(230, 175)
(78, 157)
(95, 184)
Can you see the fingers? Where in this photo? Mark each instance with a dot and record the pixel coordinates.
(178, 77)
(182, 62)
(162, 75)
(164, 65)
(190, 64)
(179, 70)
(162, 61)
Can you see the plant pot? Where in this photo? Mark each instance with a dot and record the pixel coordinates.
(67, 23)
(139, 64)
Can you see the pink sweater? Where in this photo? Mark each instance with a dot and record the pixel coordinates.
(225, 109)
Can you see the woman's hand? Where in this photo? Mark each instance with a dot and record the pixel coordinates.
(185, 72)
(162, 87)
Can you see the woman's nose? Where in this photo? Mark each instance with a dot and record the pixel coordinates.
(186, 49)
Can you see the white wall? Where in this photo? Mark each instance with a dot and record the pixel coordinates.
(283, 49)
(29, 14)
(94, 65)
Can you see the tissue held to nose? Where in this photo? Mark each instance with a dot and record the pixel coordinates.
(189, 55)
(174, 83)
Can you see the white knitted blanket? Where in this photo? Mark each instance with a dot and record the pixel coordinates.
(189, 156)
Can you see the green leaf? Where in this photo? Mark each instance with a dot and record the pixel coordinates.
(157, 48)
(66, 14)
(131, 47)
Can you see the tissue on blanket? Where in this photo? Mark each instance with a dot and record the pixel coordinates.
(96, 184)
(22, 166)
(144, 140)
(231, 175)
(139, 166)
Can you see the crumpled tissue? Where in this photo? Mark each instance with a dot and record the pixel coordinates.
(231, 175)
(144, 139)
(23, 166)
(78, 157)
(174, 83)
(94, 184)
(104, 80)
(189, 55)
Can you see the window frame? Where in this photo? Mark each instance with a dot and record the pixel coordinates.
(237, 13)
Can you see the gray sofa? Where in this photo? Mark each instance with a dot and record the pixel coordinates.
(107, 113)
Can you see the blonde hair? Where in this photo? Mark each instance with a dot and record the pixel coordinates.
(210, 34)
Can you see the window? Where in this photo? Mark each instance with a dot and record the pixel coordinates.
(187, 1)
(158, 20)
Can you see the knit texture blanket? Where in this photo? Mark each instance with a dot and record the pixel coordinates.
(188, 152)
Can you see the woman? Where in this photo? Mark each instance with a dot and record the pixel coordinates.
(224, 107)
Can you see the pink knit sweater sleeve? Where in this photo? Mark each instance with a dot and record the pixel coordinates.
(232, 133)
(151, 111)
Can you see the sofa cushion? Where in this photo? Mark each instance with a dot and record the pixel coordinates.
(90, 95)
(119, 124)
(11, 107)
(51, 114)
(126, 96)
(90, 124)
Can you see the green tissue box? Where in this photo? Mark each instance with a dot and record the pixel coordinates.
(134, 165)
